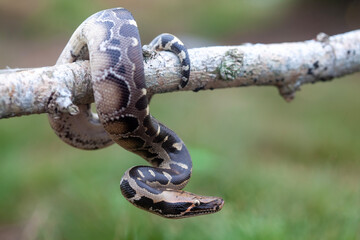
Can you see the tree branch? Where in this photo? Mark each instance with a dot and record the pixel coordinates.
(285, 65)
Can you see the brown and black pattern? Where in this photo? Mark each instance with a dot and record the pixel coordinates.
(171, 43)
(110, 40)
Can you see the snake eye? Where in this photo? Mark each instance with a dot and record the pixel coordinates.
(196, 203)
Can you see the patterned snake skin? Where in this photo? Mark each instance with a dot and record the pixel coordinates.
(111, 41)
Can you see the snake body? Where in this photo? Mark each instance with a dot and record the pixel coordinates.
(110, 40)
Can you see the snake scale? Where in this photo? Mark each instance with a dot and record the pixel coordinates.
(110, 40)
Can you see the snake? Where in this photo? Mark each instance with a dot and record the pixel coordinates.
(110, 41)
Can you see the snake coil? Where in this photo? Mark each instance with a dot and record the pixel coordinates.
(110, 40)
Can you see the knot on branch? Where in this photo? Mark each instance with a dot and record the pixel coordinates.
(231, 64)
(59, 102)
(322, 37)
(287, 91)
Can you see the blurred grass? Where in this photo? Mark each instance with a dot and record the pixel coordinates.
(286, 171)
(206, 19)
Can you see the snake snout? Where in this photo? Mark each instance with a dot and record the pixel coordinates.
(208, 205)
(204, 205)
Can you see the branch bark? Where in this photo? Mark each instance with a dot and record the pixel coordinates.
(286, 66)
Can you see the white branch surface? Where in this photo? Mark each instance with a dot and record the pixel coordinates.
(285, 65)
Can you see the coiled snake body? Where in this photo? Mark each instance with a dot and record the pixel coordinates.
(111, 41)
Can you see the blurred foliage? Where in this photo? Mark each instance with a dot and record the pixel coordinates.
(286, 171)
(229, 15)
(59, 16)
(211, 20)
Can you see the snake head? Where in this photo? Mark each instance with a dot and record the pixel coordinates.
(204, 205)
(188, 205)
(179, 204)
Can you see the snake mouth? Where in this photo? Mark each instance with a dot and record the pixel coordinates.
(196, 209)
(207, 205)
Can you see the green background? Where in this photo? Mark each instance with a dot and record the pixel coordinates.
(285, 170)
